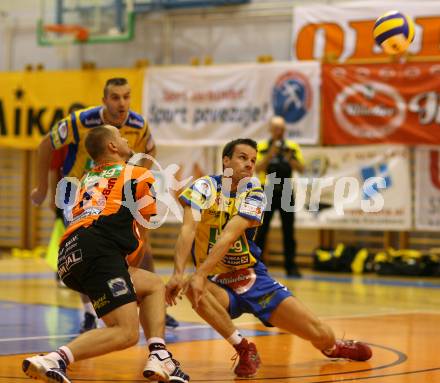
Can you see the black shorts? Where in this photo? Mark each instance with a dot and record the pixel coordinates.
(94, 265)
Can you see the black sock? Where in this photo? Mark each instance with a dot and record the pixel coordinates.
(156, 346)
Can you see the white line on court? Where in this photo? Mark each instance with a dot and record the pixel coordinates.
(203, 326)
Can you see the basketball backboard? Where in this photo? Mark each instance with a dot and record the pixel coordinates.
(85, 21)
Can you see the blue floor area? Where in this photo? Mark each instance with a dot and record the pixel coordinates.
(32, 328)
(16, 276)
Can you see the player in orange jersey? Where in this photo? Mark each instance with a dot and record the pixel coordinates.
(98, 258)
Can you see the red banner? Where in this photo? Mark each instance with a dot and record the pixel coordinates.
(381, 103)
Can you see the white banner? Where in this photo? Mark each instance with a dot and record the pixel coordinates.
(345, 30)
(212, 105)
(359, 187)
(174, 169)
(427, 188)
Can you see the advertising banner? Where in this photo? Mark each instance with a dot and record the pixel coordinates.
(213, 105)
(364, 187)
(344, 31)
(427, 188)
(394, 103)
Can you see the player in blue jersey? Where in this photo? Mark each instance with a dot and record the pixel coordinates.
(221, 214)
(71, 132)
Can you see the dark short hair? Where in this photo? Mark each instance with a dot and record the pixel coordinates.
(115, 81)
(96, 141)
(229, 148)
(76, 106)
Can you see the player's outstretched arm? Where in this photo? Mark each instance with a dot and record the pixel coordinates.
(44, 154)
(182, 252)
(233, 229)
(152, 153)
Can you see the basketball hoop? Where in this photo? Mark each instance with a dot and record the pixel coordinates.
(85, 22)
(79, 33)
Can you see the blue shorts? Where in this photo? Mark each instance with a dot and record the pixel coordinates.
(261, 299)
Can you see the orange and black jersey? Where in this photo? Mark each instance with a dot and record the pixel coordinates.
(111, 198)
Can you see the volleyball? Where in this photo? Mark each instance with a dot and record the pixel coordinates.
(394, 32)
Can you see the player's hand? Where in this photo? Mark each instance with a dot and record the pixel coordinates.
(196, 284)
(38, 195)
(173, 289)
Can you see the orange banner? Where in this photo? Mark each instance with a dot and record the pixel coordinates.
(394, 103)
(344, 30)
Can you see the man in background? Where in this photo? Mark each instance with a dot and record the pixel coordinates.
(55, 175)
(280, 157)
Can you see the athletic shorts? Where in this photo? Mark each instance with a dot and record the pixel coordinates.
(253, 291)
(94, 265)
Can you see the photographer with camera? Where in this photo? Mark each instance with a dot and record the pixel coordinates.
(280, 157)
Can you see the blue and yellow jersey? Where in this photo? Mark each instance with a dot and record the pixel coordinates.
(264, 146)
(216, 209)
(72, 130)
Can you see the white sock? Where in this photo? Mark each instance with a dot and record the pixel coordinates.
(88, 308)
(63, 353)
(235, 338)
(68, 353)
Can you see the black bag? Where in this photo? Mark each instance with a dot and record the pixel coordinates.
(335, 260)
(405, 262)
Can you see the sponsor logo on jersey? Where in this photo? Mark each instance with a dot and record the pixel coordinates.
(135, 122)
(92, 121)
(118, 287)
(62, 131)
(66, 262)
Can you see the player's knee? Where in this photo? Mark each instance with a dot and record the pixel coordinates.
(151, 283)
(128, 336)
(159, 284)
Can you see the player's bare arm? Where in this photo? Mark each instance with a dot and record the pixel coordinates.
(45, 150)
(151, 151)
(182, 252)
(233, 229)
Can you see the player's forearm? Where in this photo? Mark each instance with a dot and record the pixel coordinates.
(221, 247)
(148, 162)
(45, 151)
(183, 249)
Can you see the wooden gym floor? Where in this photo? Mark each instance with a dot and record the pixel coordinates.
(399, 318)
